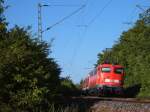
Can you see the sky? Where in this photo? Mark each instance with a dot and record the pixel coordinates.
(79, 38)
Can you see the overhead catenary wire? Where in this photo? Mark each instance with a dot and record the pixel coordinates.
(80, 36)
(130, 17)
(138, 6)
(63, 19)
(132, 14)
(85, 31)
(79, 42)
(67, 5)
(40, 31)
(66, 17)
(93, 20)
(81, 25)
(99, 13)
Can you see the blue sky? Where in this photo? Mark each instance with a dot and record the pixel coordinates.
(75, 48)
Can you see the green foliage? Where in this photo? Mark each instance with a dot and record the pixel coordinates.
(68, 88)
(145, 16)
(2, 17)
(28, 76)
(132, 51)
(1, 8)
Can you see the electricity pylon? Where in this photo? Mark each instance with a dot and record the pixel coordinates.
(40, 20)
(40, 30)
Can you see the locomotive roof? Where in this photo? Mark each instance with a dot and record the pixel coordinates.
(103, 65)
(110, 65)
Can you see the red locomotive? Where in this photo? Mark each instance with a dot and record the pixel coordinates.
(105, 79)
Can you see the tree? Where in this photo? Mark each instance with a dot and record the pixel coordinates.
(132, 51)
(28, 76)
(2, 18)
(68, 88)
(145, 16)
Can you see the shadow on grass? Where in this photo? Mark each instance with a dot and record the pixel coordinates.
(132, 91)
(77, 104)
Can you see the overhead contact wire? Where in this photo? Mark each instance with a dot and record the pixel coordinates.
(100, 12)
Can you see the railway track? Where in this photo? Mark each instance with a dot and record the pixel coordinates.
(128, 100)
(109, 104)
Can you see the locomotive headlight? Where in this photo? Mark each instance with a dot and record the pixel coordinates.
(117, 81)
(108, 80)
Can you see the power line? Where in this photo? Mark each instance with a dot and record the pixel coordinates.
(63, 19)
(67, 5)
(100, 12)
(81, 36)
(79, 17)
(40, 31)
(138, 6)
(86, 26)
(130, 17)
(80, 42)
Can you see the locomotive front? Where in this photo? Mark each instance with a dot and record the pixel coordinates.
(110, 79)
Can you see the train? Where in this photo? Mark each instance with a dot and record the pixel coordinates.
(105, 79)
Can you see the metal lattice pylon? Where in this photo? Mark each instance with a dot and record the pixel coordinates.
(39, 22)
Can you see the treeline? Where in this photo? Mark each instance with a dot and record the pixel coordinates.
(132, 50)
(29, 78)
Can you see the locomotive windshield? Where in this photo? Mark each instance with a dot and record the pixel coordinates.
(106, 69)
(119, 70)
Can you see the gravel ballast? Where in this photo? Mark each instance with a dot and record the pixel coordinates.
(115, 106)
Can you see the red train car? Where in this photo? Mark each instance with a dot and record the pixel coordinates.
(104, 79)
